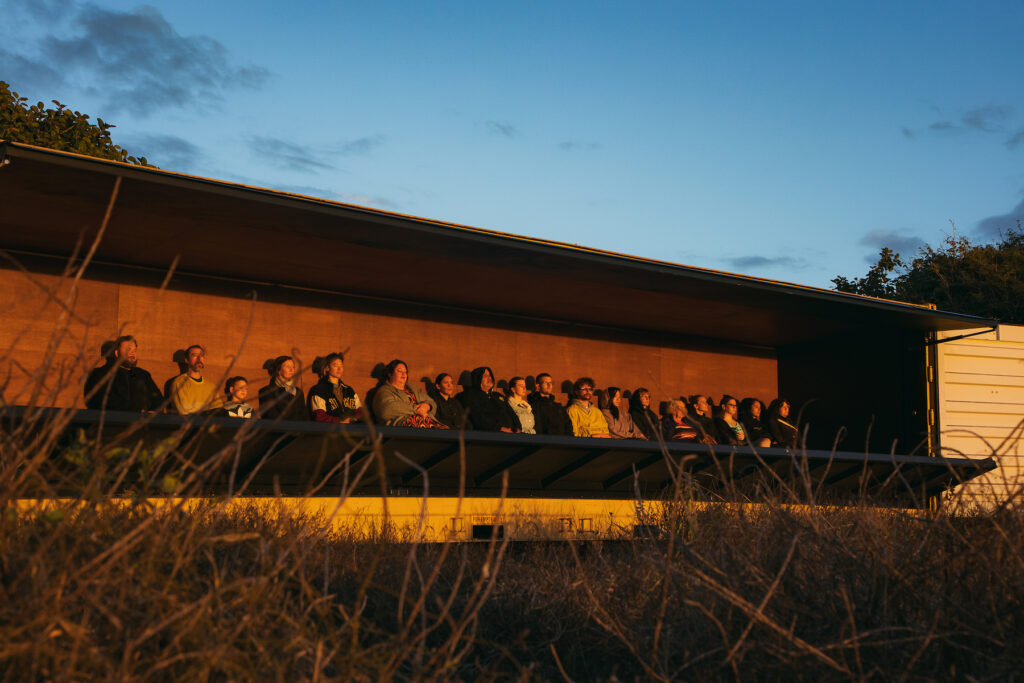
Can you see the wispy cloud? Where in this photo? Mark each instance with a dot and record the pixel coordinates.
(295, 156)
(988, 119)
(169, 152)
(992, 227)
(907, 133)
(759, 262)
(135, 59)
(1016, 140)
(503, 129)
(898, 240)
(577, 146)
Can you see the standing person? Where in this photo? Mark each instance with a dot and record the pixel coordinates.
(729, 429)
(283, 399)
(237, 390)
(130, 389)
(190, 393)
(620, 422)
(398, 404)
(783, 432)
(549, 415)
(587, 420)
(520, 405)
(486, 409)
(645, 419)
(449, 411)
(331, 400)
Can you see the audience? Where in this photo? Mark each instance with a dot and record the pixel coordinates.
(677, 426)
(449, 411)
(784, 434)
(729, 430)
(549, 414)
(190, 393)
(400, 405)
(237, 390)
(130, 389)
(282, 399)
(645, 419)
(331, 400)
(620, 423)
(486, 409)
(586, 419)
(520, 405)
(750, 413)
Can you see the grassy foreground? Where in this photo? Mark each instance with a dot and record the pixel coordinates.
(101, 591)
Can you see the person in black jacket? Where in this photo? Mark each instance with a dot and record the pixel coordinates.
(130, 389)
(549, 414)
(486, 409)
(283, 399)
(331, 400)
(449, 410)
(644, 418)
(784, 433)
(751, 412)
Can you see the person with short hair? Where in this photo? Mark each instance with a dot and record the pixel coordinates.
(237, 390)
(645, 419)
(549, 415)
(331, 400)
(130, 388)
(487, 409)
(189, 392)
(620, 423)
(449, 410)
(400, 405)
(283, 398)
(677, 426)
(586, 419)
(517, 401)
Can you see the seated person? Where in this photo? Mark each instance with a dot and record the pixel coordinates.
(586, 419)
(400, 405)
(189, 392)
(520, 405)
(485, 408)
(620, 423)
(449, 411)
(783, 432)
(702, 414)
(728, 429)
(750, 413)
(549, 415)
(283, 399)
(237, 390)
(130, 389)
(678, 426)
(645, 419)
(331, 400)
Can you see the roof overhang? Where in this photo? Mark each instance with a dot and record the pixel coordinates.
(51, 200)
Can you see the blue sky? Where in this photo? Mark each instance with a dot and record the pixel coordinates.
(789, 140)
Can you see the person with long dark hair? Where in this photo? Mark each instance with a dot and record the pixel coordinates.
(486, 409)
(620, 423)
(645, 419)
(783, 432)
(727, 425)
(750, 416)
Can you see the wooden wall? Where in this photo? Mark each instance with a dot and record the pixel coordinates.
(224, 318)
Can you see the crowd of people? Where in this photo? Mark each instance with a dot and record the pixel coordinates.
(121, 385)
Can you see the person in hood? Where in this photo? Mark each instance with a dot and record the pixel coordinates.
(486, 409)
(645, 419)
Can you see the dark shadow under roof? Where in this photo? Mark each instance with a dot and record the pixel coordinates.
(225, 230)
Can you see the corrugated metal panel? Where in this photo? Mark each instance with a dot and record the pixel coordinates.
(981, 407)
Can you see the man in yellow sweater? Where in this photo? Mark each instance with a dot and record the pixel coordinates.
(190, 393)
(587, 420)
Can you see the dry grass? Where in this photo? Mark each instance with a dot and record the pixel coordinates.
(94, 588)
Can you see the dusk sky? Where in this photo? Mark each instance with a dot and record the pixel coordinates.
(789, 140)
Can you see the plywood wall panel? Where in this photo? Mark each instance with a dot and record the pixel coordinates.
(167, 321)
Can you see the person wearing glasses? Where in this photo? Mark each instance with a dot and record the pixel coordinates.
(586, 419)
(727, 425)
